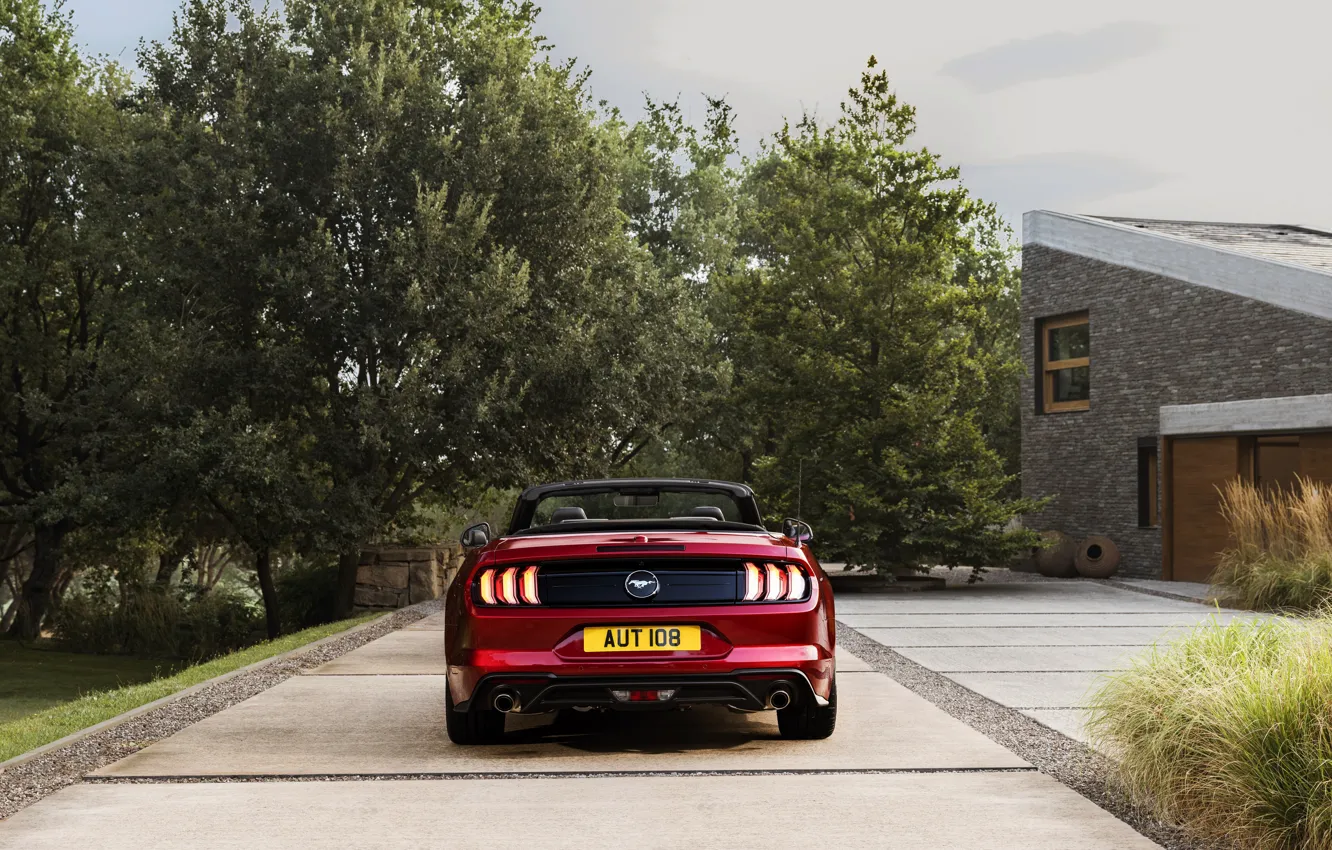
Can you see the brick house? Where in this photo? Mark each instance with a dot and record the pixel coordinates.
(1167, 357)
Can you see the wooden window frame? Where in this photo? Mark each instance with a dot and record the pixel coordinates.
(1149, 478)
(1049, 367)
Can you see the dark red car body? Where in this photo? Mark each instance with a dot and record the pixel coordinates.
(533, 654)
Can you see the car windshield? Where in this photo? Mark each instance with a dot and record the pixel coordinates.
(659, 505)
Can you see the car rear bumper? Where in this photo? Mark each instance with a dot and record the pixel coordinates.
(809, 666)
(750, 690)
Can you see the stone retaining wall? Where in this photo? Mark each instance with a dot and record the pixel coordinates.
(396, 576)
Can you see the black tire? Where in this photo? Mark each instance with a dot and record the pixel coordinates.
(480, 725)
(807, 720)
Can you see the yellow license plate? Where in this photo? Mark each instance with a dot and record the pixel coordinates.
(641, 638)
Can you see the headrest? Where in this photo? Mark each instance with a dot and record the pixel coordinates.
(708, 512)
(567, 515)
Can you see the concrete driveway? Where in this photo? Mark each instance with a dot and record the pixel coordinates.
(295, 767)
(1037, 647)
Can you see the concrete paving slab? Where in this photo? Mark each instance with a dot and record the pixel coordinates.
(1032, 690)
(1037, 598)
(1065, 721)
(401, 653)
(848, 663)
(394, 724)
(1023, 636)
(434, 622)
(952, 659)
(952, 621)
(1003, 811)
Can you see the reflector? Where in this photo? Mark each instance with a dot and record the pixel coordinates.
(643, 696)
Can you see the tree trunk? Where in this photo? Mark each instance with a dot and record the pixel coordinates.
(348, 564)
(13, 546)
(34, 600)
(169, 560)
(263, 565)
(12, 581)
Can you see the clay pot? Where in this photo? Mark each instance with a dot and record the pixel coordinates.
(1056, 559)
(1097, 557)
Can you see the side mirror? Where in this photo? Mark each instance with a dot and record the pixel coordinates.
(476, 536)
(797, 530)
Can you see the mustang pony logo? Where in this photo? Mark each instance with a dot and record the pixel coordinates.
(642, 584)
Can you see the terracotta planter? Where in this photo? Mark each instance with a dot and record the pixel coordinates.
(1097, 557)
(1056, 559)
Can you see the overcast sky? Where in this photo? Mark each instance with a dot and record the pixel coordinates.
(1153, 108)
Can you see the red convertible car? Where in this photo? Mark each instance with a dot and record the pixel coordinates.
(639, 595)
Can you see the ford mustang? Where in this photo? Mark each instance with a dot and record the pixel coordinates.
(639, 595)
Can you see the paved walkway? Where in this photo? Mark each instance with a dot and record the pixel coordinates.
(297, 754)
(1037, 647)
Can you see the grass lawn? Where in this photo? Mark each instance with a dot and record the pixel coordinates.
(34, 679)
(82, 706)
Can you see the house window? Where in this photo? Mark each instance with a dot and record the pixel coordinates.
(1276, 463)
(1149, 514)
(1065, 360)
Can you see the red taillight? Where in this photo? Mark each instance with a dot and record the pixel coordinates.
(753, 582)
(510, 586)
(528, 587)
(775, 583)
(795, 582)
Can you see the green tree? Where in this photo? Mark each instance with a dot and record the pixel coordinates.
(417, 269)
(67, 306)
(680, 192)
(866, 309)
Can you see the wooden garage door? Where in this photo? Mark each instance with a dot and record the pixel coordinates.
(1198, 533)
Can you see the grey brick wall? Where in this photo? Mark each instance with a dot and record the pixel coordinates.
(1154, 341)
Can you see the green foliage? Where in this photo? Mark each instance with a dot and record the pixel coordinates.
(308, 592)
(330, 270)
(1227, 732)
(438, 254)
(863, 336)
(107, 615)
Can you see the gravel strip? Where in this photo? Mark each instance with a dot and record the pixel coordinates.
(594, 774)
(26, 783)
(1071, 762)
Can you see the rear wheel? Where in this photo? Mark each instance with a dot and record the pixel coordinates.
(480, 725)
(807, 720)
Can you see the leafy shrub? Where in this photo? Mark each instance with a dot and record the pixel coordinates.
(108, 616)
(1228, 732)
(1282, 546)
(307, 590)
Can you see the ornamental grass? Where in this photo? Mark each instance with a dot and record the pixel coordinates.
(1228, 732)
(1280, 556)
